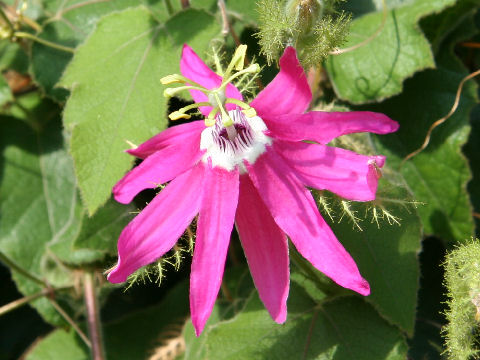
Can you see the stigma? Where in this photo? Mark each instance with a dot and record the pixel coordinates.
(228, 146)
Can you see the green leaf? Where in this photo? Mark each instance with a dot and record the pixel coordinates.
(343, 328)
(376, 70)
(472, 151)
(12, 56)
(438, 26)
(386, 254)
(244, 11)
(37, 197)
(137, 335)
(101, 231)
(116, 93)
(438, 175)
(5, 92)
(69, 23)
(59, 345)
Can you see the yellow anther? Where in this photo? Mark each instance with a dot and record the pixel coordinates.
(253, 68)
(250, 112)
(247, 109)
(169, 92)
(238, 59)
(210, 120)
(173, 79)
(176, 115)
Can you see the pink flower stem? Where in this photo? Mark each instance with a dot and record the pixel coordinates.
(93, 317)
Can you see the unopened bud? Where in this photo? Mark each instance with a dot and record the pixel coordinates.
(305, 12)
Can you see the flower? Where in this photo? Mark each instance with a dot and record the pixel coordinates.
(250, 168)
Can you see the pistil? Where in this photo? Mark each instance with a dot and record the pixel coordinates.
(231, 132)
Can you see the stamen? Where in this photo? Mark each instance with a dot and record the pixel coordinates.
(226, 120)
(237, 61)
(180, 113)
(178, 79)
(169, 92)
(252, 69)
(176, 115)
(218, 65)
(210, 120)
(247, 109)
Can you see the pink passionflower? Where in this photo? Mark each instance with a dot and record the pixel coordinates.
(256, 179)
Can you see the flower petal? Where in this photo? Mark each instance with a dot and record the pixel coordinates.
(323, 126)
(287, 93)
(266, 249)
(215, 223)
(294, 210)
(178, 134)
(157, 169)
(156, 229)
(348, 174)
(193, 68)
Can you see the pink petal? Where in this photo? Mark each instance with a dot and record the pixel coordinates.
(157, 169)
(348, 174)
(287, 93)
(156, 229)
(193, 68)
(178, 134)
(215, 223)
(294, 210)
(323, 126)
(266, 250)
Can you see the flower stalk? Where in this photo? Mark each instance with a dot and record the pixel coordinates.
(93, 317)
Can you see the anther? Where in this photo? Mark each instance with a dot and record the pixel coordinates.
(169, 92)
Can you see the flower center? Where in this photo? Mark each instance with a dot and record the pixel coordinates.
(229, 146)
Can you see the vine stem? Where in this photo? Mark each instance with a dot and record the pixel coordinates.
(20, 270)
(25, 35)
(443, 119)
(370, 38)
(93, 317)
(227, 28)
(169, 7)
(6, 19)
(72, 323)
(26, 299)
(20, 302)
